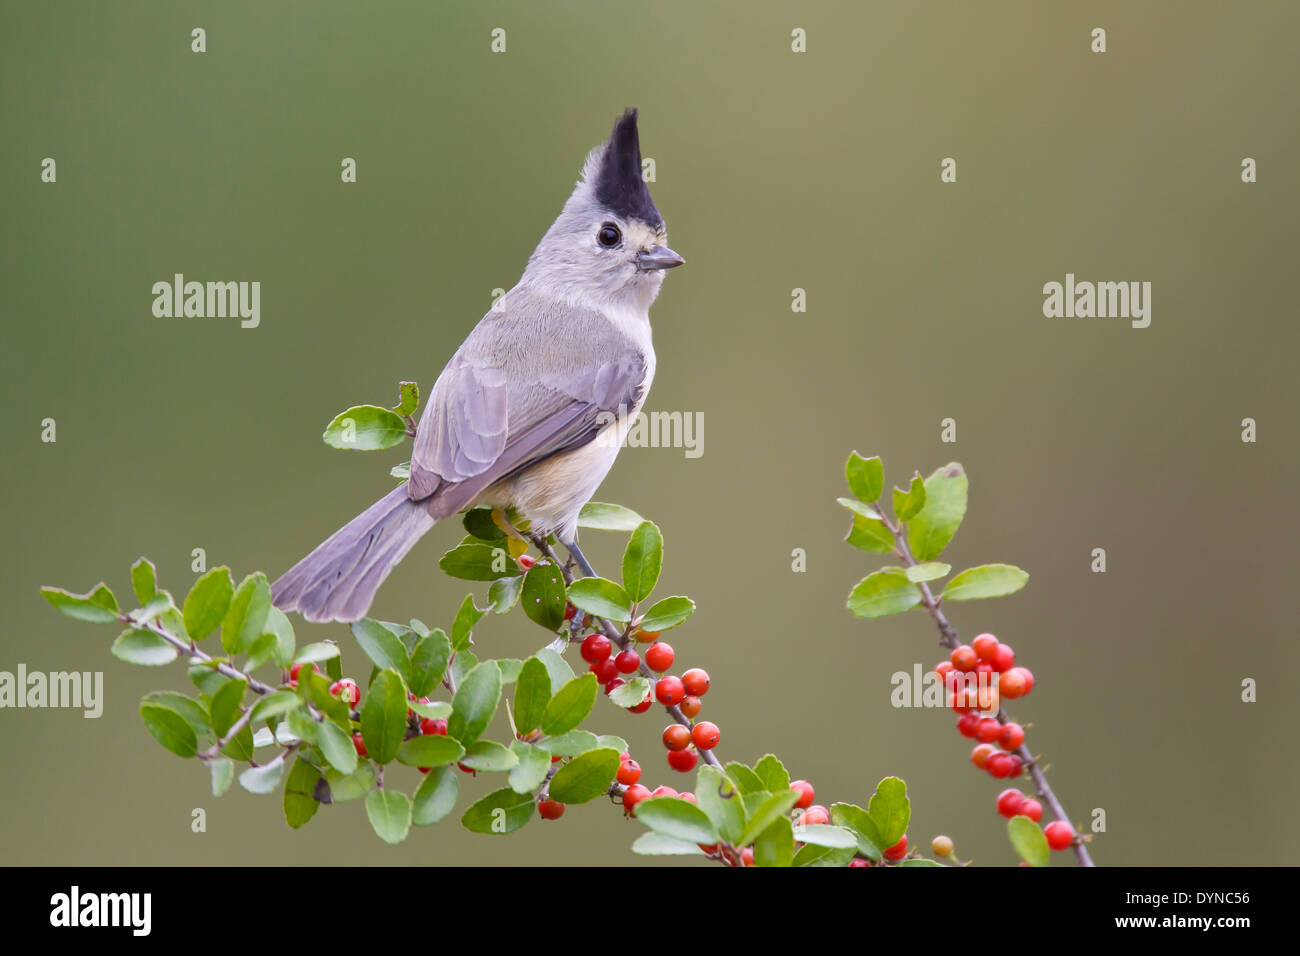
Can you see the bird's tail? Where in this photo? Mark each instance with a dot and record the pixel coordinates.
(338, 580)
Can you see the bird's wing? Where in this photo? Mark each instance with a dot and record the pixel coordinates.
(492, 414)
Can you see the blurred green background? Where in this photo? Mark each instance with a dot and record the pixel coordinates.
(775, 171)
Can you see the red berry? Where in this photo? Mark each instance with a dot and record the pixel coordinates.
(691, 707)
(987, 729)
(605, 670)
(858, 861)
(1028, 676)
(964, 700)
(983, 667)
(296, 669)
(431, 726)
(898, 850)
(963, 657)
(1032, 809)
(980, 755)
(747, 856)
(525, 561)
(943, 669)
(1059, 834)
(966, 724)
(613, 685)
(569, 611)
(647, 637)
(360, 745)
(999, 765)
(629, 772)
(806, 794)
(985, 646)
(1017, 765)
(1011, 736)
(664, 792)
(1004, 659)
(696, 682)
(814, 815)
(346, 690)
(1010, 802)
(659, 657)
(642, 707)
(683, 761)
(670, 690)
(550, 809)
(1012, 684)
(677, 737)
(595, 647)
(469, 770)
(634, 795)
(689, 797)
(627, 662)
(705, 735)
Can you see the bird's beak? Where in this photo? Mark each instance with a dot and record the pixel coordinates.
(658, 257)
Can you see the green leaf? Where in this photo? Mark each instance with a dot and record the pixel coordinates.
(810, 854)
(890, 810)
(480, 524)
(674, 817)
(222, 770)
(745, 779)
(429, 662)
(601, 597)
(277, 622)
(245, 617)
(882, 593)
(300, 803)
(466, 618)
(985, 581)
(872, 536)
(908, 504)
(572, 744)
(557, 667)
(478, 561)
(528, 774)
(656, 844)
(1029, 841)
(260, 651)
(195, 713)
(774, 806)
(775, 845)
(532, 694)
(821, 834)
(773, 773)
(401, 471)
(143, 647)
(435, 796)
(144, 580)
(642, 561)
(314, 653)
(389, 812)
(570, 706)
(352, 786)
(585, 777)
(502, 811)
(930, 531)
(504, 593)
(264, 779)
(721, 800)
(929, 571)
(612, 740)
(365, 428)
(383, 716)
(206, 604)
(630, 694)
(489, 756)
(383, 647)
(859, 821)
(475, 702)
(602, 517)
(859, 509)
(408, 398)
(225, 707)
(917, 861)
(170, 729)
(336, 746)
(430, 750)
(97, 605)
(275, 704)
(866, 476)
(434, 710)
(667, 614)
(543, 598)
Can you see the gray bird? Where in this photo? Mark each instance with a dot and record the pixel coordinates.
(531, 410)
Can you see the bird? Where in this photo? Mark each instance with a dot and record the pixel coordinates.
(531, 410)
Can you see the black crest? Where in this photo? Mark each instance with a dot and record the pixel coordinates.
(619, 185)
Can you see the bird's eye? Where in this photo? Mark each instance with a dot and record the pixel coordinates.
(609, 236)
